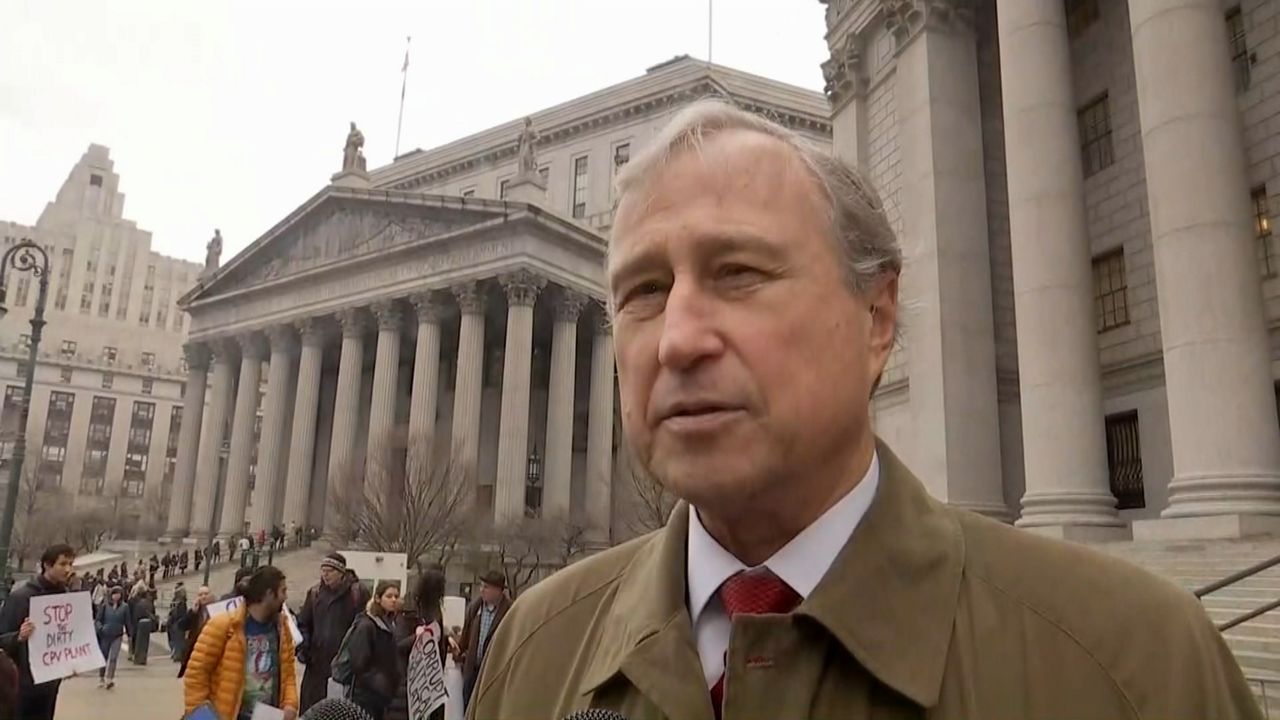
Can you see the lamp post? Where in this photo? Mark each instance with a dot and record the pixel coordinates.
(533, 485)
(25, 256)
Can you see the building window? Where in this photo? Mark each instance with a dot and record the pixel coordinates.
(104, 302)
(109, 354)
(108, 380)
(148, 385)
(171, 454)
(502, 189)
(64, 375)
(148, 360)
(21, 369)
(182, 365)
(23, 289)
(1124, 460)
(580, 187)
(1080, 15)
(64, 278)
(102, 414)
(1095, 135)
(68, 349)
(9, 423)
(1241, 59)
(57, 429)
(95, 180)
(138, 449)
(469, 192)
(24, 342)
(86, 298)
(1262, 230)
(1110, 297)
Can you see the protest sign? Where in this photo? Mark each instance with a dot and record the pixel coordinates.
(217, 608)
(64, 642)
(426, 675)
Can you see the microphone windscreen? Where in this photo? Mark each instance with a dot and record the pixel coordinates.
(595, 714)
(336, 709)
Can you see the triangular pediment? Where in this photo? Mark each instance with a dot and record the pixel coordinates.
(339, 226)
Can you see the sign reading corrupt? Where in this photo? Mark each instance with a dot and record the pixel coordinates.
(426, 675)
(64, 642)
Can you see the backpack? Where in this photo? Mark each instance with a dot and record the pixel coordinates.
(340, 669)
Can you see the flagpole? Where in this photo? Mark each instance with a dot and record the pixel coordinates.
(710, 3)
(404, 81)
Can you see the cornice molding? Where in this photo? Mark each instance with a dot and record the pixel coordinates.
(905, 19)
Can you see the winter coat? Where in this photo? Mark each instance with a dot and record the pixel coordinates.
(113, 621)
(215, 673)
(326, 616)
(405, 633)
(473, 654)
(373, 663)
(193, 623)
(15, 610)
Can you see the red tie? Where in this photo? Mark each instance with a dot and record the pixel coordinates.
(753, 592)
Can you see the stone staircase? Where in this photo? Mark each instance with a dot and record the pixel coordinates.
(1256, 643)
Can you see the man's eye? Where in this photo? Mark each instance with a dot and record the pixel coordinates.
(642, 291)
(739, 273)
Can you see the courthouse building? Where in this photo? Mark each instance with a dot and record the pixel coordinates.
(107, 405)
(1083, 187)
(453, 295)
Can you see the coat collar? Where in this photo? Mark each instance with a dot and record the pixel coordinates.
(889, 599)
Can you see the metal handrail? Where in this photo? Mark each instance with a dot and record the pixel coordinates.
(1263, 681)
(1234, 578)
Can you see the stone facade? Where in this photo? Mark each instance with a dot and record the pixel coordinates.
(1197, 351)
(113, 339)
(445, 296)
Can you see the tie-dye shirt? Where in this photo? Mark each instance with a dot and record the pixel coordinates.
(261, 665)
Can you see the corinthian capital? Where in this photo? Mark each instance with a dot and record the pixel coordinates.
(522, 287)
(907, 18)
(388, 314)
(354, 322)
(470, 298)
(198, 356)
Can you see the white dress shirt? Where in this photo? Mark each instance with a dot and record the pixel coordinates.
(800, 563)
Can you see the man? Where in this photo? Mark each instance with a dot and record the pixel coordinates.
(244, 657)
(173, 624)
(192, 624)
(35, 702)
(327, 614)
(753, 285)
(483, 617)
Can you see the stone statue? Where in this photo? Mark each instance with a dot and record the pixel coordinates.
(213, 253)
(352, 153)
(528, 163)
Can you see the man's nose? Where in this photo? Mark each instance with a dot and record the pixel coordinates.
(689, 332)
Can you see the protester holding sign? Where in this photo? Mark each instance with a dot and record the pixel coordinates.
(65, 642)
(245, 657)
(427, 598)
(35, 701)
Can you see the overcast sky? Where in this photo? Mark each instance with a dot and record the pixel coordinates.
(230, 114)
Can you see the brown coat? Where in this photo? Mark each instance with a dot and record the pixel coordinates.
(928, 611)
(470, 642)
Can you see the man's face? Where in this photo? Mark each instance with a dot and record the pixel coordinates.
(490, 594)
(203, 595)
(745, 362)
(330, 577)
(60, 572)
(276, 599)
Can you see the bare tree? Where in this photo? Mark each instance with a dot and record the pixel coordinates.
(651, 503)
(35, 527)
(404, 501)
(529, 549)
(155, 513)
(86, 528)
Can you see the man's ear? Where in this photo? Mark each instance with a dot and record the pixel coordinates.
(883, 332)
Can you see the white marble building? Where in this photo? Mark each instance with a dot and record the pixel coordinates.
(107, 402)
(1084, 189)
(446, 295)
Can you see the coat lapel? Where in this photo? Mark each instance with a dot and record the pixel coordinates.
(648, 636)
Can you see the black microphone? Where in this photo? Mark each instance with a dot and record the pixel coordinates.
(335, 709)
(595, 714)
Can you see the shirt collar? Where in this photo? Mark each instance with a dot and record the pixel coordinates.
(800, 563)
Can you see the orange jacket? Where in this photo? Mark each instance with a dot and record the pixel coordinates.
(215, 673)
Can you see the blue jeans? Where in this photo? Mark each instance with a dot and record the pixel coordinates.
(110, 651)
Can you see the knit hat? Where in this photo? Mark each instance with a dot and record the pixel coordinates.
(334, 561)
(335, 709)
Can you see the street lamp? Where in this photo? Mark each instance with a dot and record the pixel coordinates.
(25, 256)
(533, 485)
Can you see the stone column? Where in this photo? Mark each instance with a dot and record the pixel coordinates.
(956, 449)
(469, 381)
(252, 352)
(184, 477)
(382, 410)
(599, 481)
(209, 467)
(558, 467)
(1222, 409)
(513, 439)
(343, 474)
(271, 448)
(1064, 446)
(297, 491)
(426, 379)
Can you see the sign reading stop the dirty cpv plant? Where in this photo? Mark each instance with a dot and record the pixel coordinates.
(64, 642)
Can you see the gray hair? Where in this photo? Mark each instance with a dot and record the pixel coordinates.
(860, 228)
